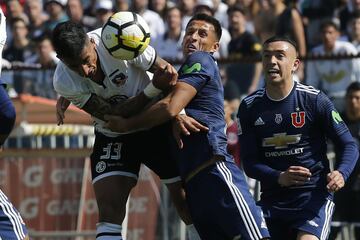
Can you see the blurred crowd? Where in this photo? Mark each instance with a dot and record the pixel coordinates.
(319, 27)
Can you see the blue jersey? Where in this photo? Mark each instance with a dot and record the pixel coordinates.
(7, 112)
(275, 135)
(201, 71)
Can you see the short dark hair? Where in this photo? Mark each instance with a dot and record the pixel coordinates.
(329, 23)
(208, 19)
(236, 8)
(355, 15)
(69, 39)
(355, 86)
(279, 38)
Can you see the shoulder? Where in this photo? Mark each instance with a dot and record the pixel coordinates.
(201, 62)
(249, 100)
(306, 89)
(63, 80)
(96, 35)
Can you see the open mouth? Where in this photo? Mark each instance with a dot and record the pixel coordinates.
(191, 48)
(273, 72)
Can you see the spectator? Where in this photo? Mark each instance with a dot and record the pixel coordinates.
(75, 11)
(346, 15)
(347, 200)
(46, 57)
(333, 76)
(355, 30)
(314, 12)
(19, 50)
(121, 5)
(243, 44)
(103, 11)
(220, 12)
(187, 9)
(168, 46)
(37, 17)
(14, 10)
(207, 7)
(278, 19)
(56, 11)
(153, 19)
(252, 8)
(160, 7)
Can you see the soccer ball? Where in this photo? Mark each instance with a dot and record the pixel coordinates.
(125, 35)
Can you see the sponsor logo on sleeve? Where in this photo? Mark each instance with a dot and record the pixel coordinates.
(196, 67)
(336, 117)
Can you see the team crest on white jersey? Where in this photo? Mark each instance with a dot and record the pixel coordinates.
(119, 79)
(278, 118)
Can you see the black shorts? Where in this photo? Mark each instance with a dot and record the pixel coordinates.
(123, 155)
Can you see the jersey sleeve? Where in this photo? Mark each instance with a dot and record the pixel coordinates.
(198, 68)
(7, 113)
(145, 60)
(248, 155)
(339, 133)
(70, 86)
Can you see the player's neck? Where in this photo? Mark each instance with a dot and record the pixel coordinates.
(279, 91)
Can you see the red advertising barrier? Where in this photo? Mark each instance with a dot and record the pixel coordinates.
(54, 193)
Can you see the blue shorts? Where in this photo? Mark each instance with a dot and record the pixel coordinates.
(12, 227)
(123, 155)
(314, 218)
(221, 205)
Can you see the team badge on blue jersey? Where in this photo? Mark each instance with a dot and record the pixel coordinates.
(298, 119)
(278, 118)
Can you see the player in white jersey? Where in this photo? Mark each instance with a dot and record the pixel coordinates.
(12, 227)
(96, 82)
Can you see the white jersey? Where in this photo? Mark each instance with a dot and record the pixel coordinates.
(123, 79)
(2, 35)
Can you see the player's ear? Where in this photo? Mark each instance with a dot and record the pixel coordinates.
(216, 47)
(296, 65)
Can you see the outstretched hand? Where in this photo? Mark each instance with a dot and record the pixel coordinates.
(165, 78)
(61, 105)
(294, 175)
(183, 124)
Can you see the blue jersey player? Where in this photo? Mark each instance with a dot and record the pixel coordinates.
(283, 130)
(12, 226)
(217, 194)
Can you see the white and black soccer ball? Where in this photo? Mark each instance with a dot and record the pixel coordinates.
(125, 35)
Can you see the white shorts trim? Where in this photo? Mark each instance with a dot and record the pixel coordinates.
(114, 173)
(171, 180)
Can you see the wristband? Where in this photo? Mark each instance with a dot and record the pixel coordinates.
(151, 91)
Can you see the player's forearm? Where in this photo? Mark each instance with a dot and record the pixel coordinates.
(349, 154)
(132, 106)
(157, 114)
(252, 167)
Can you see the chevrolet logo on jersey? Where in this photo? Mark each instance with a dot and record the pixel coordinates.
(281, 140)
